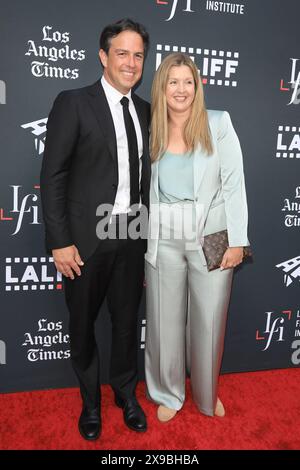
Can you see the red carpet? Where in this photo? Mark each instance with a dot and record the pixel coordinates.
(263, 412)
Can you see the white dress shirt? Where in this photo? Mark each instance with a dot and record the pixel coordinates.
(122, 201)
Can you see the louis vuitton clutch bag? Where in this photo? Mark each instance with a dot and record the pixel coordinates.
(214, 247)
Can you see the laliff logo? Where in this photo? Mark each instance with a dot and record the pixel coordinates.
(217, 67)
(288, 142)
(23, 208)
(32, 274)
(49, 343)
(2, 352)
(291, 269)
(38, 128)
(274, 328)
(210, 5)
(292, 218)
(51, 51)
(294, 83)
(2, 92)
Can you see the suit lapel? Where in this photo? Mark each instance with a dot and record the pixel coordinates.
(100, 106)
(154, 178)
(145, 134)
(200, 164)
(143, 123)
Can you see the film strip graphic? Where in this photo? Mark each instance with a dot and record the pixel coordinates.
(30, 279)
(206, 56)
(295, 142)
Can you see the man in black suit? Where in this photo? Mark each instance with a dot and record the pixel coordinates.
(97, 153)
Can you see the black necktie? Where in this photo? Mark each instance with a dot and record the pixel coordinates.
(133, 153)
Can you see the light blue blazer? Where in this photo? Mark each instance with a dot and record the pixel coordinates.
(219, 189)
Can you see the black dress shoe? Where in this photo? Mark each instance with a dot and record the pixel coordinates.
(89, 424)
(133, 415)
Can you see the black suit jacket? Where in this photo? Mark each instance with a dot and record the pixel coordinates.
(80, 167)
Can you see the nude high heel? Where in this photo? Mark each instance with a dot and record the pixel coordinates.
(219, 410)
(165, 414)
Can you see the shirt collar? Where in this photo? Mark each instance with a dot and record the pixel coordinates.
(112, 93)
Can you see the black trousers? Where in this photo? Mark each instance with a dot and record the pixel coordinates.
(114, 271)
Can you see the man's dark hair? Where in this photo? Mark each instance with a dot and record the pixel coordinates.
(126, 24)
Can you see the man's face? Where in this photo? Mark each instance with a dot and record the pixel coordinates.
(123, 65)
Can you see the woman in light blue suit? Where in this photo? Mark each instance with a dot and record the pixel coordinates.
(197, 188)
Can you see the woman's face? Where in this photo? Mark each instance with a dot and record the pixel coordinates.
(180, 90)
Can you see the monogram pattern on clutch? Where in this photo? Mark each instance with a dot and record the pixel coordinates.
(214, 247)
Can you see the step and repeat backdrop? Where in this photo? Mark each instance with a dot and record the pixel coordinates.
(249, 57)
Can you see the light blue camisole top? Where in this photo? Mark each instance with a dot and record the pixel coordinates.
(176, 177)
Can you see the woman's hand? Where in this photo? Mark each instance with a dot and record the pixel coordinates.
(232, 257)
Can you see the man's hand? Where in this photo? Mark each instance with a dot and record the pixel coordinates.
(232, 257)
(67, 260)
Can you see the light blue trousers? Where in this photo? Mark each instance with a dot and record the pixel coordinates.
(186, 319)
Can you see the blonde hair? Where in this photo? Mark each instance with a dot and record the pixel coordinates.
(196, 130)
